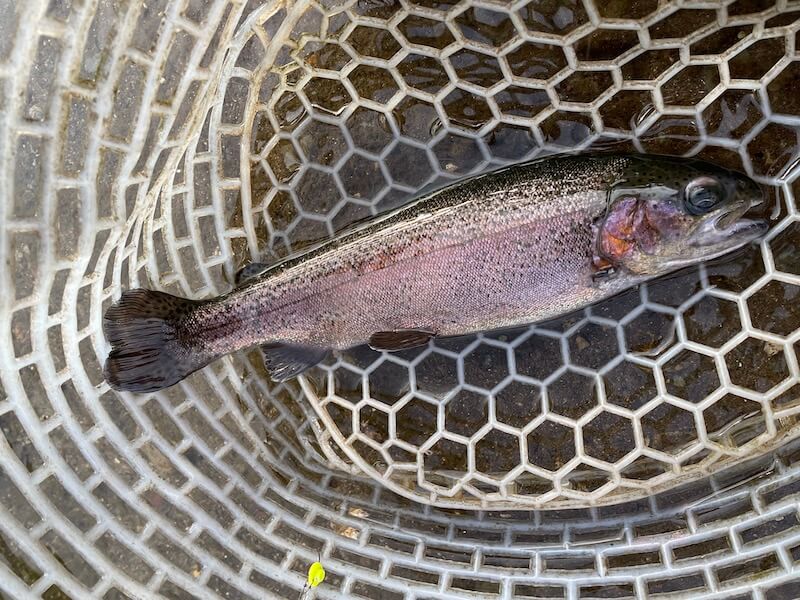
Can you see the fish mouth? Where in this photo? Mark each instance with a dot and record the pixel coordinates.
(719, 236)
(729, 230)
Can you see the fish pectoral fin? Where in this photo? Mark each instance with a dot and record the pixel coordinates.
(248, 272)
(400, 339)
(285, 361)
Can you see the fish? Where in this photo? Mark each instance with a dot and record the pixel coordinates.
(513, 246)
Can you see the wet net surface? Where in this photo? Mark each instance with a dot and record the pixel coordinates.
(166, 144)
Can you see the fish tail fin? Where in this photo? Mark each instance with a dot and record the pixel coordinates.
(147, 350)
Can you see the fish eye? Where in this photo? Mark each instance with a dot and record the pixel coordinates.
(703, 194)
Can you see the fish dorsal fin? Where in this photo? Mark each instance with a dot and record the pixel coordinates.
(249, 272)
(400, 339)
(285, 361)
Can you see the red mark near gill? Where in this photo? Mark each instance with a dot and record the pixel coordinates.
(635, 223)
(616, 235)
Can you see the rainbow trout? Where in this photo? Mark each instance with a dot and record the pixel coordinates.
(513, 246)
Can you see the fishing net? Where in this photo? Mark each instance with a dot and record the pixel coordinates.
(642, 448)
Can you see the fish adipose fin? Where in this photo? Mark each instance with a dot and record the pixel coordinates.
(286, 361)
(399, 339)
(147, 353)
(249, 272)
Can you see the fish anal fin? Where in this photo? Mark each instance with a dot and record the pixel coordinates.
(286, 361)
(249, 272)
(400, 339)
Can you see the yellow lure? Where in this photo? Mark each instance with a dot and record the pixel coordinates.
(316, 574)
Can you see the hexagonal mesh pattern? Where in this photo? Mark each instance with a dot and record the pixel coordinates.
(567, 413)
(165, 144)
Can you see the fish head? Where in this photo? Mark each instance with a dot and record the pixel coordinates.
(675, 213)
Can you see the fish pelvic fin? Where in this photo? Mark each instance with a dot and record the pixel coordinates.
(286, 361)
(147, 352)
(400, 339)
